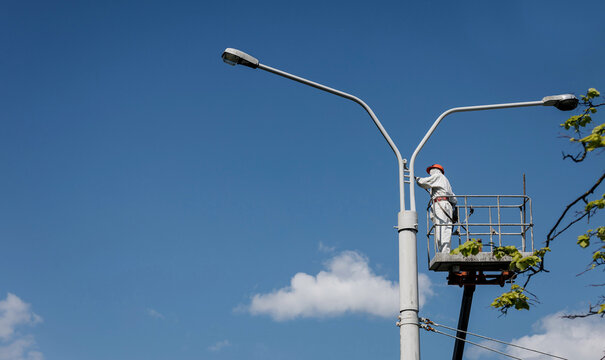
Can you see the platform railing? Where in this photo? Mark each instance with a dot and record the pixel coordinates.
(500, 219)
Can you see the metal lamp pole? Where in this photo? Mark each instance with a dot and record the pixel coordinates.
(407, 220)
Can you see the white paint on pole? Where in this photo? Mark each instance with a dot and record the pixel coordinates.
(408, 286)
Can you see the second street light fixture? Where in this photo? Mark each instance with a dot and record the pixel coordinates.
(563, 102)
(407, 220)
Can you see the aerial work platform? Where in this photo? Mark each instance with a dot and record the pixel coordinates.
(484, 261)
(494, 220)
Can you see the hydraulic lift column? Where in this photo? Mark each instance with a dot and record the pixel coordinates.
(465, 313)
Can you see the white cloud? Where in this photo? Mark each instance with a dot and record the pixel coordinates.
(155, 314)
(325, 248)
(578, 339)
(219, 345)
(348, 285)
(20, 349)
(14, 314)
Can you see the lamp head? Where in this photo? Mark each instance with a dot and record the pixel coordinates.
(234, 57)
(564, 102)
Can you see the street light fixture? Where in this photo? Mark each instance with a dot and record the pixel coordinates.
(407, 220)
(563, 102)
(236, 57)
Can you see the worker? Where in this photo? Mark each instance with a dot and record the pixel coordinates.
(443, 202)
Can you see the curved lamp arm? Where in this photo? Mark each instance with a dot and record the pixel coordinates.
(451, 111)
(365, 106)
(236, 57)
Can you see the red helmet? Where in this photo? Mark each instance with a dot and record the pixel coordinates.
(435, 166)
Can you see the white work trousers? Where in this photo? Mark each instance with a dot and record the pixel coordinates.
(442, 213)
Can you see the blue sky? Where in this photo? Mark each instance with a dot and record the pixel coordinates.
(150, 193)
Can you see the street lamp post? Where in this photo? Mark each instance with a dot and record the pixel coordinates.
(407, 220)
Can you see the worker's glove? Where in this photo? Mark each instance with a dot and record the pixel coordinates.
(416, 178)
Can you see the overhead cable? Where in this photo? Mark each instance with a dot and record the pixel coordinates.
(428, 321)
(428, 328)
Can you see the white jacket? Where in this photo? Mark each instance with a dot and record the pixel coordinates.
(439, 186)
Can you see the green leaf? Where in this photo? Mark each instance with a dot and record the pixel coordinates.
(501, 251)
(577, 121)
(599, 204)
(601, 233)
(595, 140)
(527, 262)
(515, 298)
(592, 93)
(584, 241)
(471, 247)
(541, 252)
(518, 261)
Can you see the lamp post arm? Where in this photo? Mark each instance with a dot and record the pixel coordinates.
(382, 130)
(438, 121)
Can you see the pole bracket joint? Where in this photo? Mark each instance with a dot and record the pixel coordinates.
(402, 322)
(407, 220)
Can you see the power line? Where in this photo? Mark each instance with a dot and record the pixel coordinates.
(428, 321)
(429, 328)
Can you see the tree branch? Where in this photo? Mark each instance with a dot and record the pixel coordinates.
(550, 236)
(553, 233)
(578, 158)
(592, 310)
